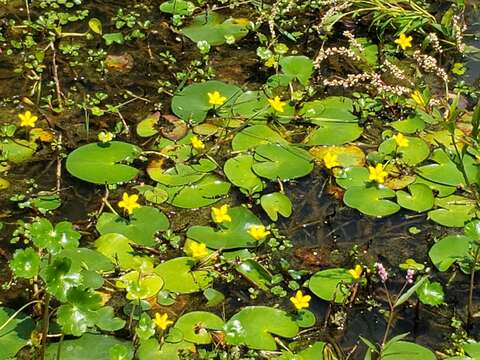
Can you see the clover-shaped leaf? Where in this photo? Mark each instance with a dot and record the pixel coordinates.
(63, 236)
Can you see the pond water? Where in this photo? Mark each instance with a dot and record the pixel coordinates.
(138, 73)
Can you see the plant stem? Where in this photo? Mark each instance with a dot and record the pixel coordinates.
(471, 288)
(45, 326)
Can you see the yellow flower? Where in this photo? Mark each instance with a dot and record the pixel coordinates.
(198, 250)
(258, 232)
(401, 140)
(215, 98)
(377, 173)
(330, 160)
(27, 119)
(129, 203)
(105, 137)
(162, 321)
(277, 104)
(356, 272)
(197, 143)
(220, 215)
(404, 41)
(418, 98)
(300, 301)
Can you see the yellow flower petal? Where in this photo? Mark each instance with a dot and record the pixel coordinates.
(277, 104)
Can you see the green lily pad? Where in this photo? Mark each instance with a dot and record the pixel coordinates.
(140, 286)
(182, 174)
(177, 7)
(450, 249)
(416, 151)
(254, 136)
(195, 326)
(252, 105)
(442, 190)
(239, 172)
(254, 326)
(371, 200)
(331, 284)
(88, 259)
(212, 29)
(191, 103)
(118, 249)
(146, 127)
(178, 276)
(255, 273)
(16, 334)
(444, 170)
(153, 194)
(140, 227)
(284, 162)
(230, 235)
(88, 346)
(453, 211)
(276, 203)
(103, 163)
(205, 192)
(420, 198)
(336, 123)
(409, 126)
(352, 176)
(299, 67)
(17, 150)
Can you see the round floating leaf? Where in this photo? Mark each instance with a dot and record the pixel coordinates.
(331, 284)
(178, 7)
(239, 172)
(276, 203)
(205, 192)
(416, 151)
(214, 297)
(191, 104)
(299, 67)
(140, 227)
(88, 346)
(284, 162)
(212, 29)
(118, 249)
(25, 263)
(255, 273)
(442, 190)
(371, 200)
(16, 334)
(420, 198)
(140, 286)
(178, 276)
(17, 150)
(146, 127)
(230, 235)
(181, 174)
(254, 326)
(454, 211)
(448, 250)
(153, 194)
(347, 156)
(334, 134)
(195, 326)
(305, 318)
(252, 105)
(352, 176)
(103, 163)
(401, 350)
(409, 126)
(254, 136)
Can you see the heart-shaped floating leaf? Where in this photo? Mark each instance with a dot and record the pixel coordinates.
(352, 176)
(239, 171)
(205, 192)
(442, 190)
(195, 326)
(444, 170)
(103, 163)
(331, 284)
(284, 162)
(230, 235)
(88, 259)
(252, 105)
(255, 273)
(140, 227)
(453, 211)
(118, 249)
(276, 203)
(177, 7)
(16, 334)
(410, 125)
(420, 198)
(299, 67)
(347, 156)
(401, 350)
(254, 326)
(146, 127)
(450, 249)
(413, 154)
(334, 116)
(17, 150)
(192, 103)
(88, 346)
(140, 286)
(212, 29)
(181, 174)
(256, 135)
(371, 200)
(178, 276)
